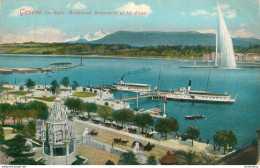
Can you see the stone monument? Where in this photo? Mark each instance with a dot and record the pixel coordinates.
(58, 137)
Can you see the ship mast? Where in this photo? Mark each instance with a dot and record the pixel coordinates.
(216, 54)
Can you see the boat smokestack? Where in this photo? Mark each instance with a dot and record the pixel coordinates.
(122, 78)
(189, 85)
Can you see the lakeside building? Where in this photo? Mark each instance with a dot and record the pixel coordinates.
(239, 57)
(209, 57)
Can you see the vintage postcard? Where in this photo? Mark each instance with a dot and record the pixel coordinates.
(129, 82)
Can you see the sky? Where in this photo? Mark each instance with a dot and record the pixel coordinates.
(241, 16)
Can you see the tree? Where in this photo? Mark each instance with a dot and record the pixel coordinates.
(31, 129)
(144, 120)
(106, 103)
(225, 138)
(167, 125)
(105, 112)
(128, 158)
(74, 104)
(5, 109)
(124, 115)
(192, 133)
(75, 85)
(20, 111)
(2, 135)
(21, 88)
(19, 128)
(19, 152)
(65, 81)
(109, 162)
(187, 158)
(13, 113)
(151, 160)
(54, 86)
(91, 107)
(30, 83)
(40, 107)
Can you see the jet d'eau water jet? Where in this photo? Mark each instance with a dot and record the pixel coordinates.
(225, 56)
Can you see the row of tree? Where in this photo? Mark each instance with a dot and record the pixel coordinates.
(55, 85)
(163, 126)
(123, 49)
(19, 111)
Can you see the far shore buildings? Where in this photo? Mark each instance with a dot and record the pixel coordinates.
(239, 57)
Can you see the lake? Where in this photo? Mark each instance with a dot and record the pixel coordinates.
(242, 117)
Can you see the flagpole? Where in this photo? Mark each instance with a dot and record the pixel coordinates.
(164, 102)
(164, 115)
(137, 100)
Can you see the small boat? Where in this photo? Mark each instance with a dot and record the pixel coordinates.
(193, 117)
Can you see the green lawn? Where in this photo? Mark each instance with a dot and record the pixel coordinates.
(40, 89)
(84, 94)
(6, 88)
(20, 92)
(49, 99)
(64, 89)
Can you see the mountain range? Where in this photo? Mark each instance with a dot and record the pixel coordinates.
(141, 39)
(87, 37)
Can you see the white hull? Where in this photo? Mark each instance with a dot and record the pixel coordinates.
(131, 89)
(198, 97)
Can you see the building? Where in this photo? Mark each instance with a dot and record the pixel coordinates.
(240, 57)
(58, 137)
(209, 57)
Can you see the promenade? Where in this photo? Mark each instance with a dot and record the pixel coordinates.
(106, 135)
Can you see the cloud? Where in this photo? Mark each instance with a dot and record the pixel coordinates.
(207, 31)
(79, 5)
(131, 6)
(16, 12)
(242, 33)
(68, 5)
(227, 12)
(202, 12)
(224, 6)
(230, 13)
(46, 35)
(199, 12)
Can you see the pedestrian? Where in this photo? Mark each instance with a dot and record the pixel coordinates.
(219, 148)
(214, 147)
(207, 141)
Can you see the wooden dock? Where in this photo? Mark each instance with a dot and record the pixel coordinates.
(138, 97)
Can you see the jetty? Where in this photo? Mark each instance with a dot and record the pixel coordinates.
(57, 66)
(152, 95)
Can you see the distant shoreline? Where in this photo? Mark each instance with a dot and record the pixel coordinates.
(109, 56)
(123, 57)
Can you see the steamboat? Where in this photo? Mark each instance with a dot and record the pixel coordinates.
(194, 95)
(131, 87)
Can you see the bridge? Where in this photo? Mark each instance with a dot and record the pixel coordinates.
(138, 97)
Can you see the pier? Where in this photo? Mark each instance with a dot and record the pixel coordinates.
(141, 96)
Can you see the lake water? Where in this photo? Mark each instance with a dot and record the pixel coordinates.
(242, 117)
